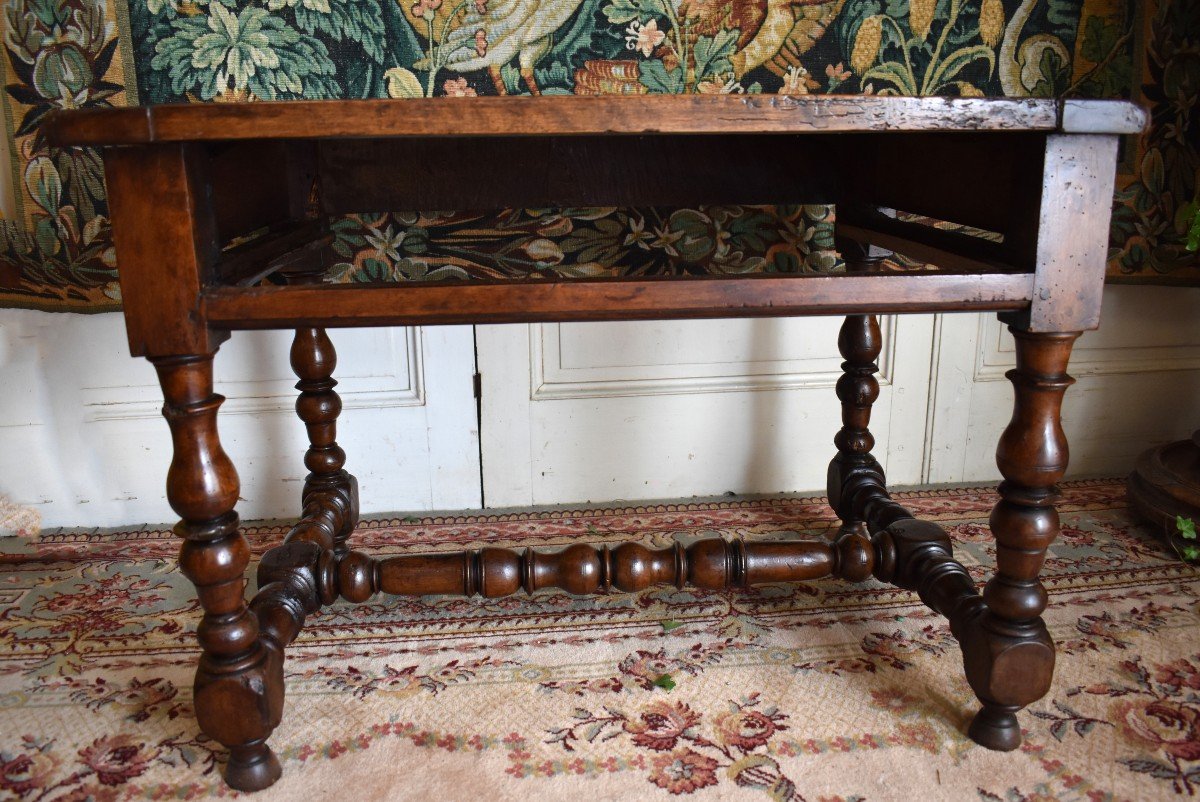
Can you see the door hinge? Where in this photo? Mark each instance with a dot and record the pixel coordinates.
(477, 385)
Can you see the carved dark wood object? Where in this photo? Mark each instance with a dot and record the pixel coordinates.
(185, 180)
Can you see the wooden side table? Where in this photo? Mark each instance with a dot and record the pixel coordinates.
(184, 181)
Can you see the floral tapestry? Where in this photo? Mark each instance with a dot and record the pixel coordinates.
(55, 241)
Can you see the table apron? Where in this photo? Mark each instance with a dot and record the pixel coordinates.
(758, 296)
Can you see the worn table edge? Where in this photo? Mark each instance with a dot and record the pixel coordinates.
(581, 115)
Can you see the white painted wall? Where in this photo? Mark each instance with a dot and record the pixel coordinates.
(83, 441)
(576, 411)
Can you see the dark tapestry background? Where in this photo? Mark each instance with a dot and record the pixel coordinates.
(56, 251)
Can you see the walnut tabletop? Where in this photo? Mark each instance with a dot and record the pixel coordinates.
(207, 201)
(576, 115)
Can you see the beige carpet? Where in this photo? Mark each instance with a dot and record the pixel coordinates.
(822, 692)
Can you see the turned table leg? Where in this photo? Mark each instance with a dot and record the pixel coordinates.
(1009, 655)
(239, 682)
(859, 342)
(330, 496)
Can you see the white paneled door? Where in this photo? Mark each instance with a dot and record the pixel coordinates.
(646, 410)
(83, 441)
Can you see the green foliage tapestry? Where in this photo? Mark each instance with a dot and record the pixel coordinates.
(56, 250)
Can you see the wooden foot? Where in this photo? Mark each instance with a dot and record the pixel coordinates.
(239, 683)
(1009, 656)
(995, 727)
(252, 767)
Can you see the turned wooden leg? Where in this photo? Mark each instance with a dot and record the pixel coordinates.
(857, 388)
(1009, 655)
(239, 682)
(859, 343)
(330, 498)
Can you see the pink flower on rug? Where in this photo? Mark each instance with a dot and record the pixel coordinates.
(1178, 674)
(90, 793)
(661, 725)
(27, 772)
(893, 700)
(683, 771)
(646, 666)
(1170, 726)
(116, 758)
(919, 735)
(747, 729)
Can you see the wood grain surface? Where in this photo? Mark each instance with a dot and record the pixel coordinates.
(556, 115)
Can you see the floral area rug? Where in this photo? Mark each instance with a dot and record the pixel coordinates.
(820, 691)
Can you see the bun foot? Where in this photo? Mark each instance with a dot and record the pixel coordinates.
(995, 727)
(252, 767)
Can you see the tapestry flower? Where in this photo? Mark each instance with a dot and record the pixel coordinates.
(683, 771)
(836, 73)
(387, 242)
(457, 87)
(481, 42)
(643, 37)
(425, 9)
(720, 85)
(795, 82)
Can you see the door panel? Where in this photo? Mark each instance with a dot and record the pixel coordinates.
(665, 409)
